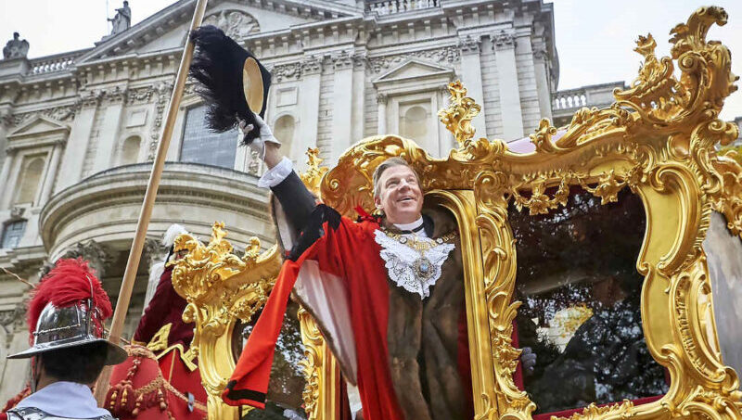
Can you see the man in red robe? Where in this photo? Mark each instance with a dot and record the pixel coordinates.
(387, 293)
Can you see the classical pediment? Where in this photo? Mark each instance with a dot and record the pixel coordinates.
(166, 29)
(39, 126)
(414, 69)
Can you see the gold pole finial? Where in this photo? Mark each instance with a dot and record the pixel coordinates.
(314, 173)
(459, 113)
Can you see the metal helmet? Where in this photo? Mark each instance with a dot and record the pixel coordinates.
(70, 326)
(67, 310)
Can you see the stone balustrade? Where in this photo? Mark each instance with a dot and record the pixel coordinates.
(568, 99)
(53, 63)
(387, 7)
(566, 102)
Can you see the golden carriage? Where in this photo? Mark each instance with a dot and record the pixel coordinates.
(655, 149)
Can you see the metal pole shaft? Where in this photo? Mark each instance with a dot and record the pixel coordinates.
(127, 284)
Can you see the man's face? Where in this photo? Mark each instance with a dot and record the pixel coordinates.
(399, 195)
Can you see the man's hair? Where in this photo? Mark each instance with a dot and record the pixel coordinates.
(80, 364)
(390, 163)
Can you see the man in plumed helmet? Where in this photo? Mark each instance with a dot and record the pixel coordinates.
(66, 318)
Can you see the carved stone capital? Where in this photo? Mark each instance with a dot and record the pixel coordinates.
(291, 71)
(311, 65)
(15, 319)
(360, 60)
(91, 99)
(91, 251)
(116, 95)
(470, 45)
(382, 98)
(540, 54)
(7, 317)
(140, 96)
(503, 40)
(16, 212)
(342, 60)
(7, 119)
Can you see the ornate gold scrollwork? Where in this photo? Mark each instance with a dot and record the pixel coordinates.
(221, 288)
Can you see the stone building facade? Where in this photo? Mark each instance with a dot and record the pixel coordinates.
(78, 130)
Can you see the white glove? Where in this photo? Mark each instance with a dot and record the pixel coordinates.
(266, 135)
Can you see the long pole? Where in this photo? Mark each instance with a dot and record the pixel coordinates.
(127, 284)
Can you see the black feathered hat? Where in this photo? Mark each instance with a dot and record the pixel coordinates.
(231, 80)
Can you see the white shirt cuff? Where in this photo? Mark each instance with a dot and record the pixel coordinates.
(354, 398)
(276, 174)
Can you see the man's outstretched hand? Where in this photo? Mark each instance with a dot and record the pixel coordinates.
(266, 145)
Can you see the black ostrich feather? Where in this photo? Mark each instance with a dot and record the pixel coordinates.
(217, 68)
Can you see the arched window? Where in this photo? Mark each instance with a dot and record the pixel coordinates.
(284, 132)
(130, 150)
(414, 123)
(201, 145)
(12, 233)
(28, 183)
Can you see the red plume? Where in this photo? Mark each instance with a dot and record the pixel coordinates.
(66, 284)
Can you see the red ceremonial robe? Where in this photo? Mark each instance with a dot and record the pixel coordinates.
(356, 298)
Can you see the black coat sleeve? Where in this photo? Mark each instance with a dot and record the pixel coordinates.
(296, 200)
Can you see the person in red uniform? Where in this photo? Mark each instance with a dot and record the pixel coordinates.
(166, 306)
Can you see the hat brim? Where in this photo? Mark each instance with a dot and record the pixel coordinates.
(115, 354)
(253, 86)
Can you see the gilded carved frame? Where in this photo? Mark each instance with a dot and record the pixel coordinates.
(659, 139)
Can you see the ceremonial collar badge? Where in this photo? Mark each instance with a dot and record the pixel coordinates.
(413, 263)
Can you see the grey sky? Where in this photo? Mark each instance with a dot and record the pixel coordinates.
(595, 38)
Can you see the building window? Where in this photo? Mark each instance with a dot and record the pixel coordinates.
(28, 183)
(284, 132)
(201, 145)
(12, 233)
(130, 151)
(414, 122)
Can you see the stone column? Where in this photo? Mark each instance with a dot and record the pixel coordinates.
(540, 63)
(11, 171)
(309, 92)
(359, 97)
(507, 73)
(6, 121)
(381, 100)
(77, 143)
(51, 173)
(342, 105)
(6, 187)
(107, 142)
(6, 157)
(471, 76)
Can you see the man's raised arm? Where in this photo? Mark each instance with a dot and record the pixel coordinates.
(295, 199)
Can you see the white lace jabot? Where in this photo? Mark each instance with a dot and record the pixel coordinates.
(404, 263)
